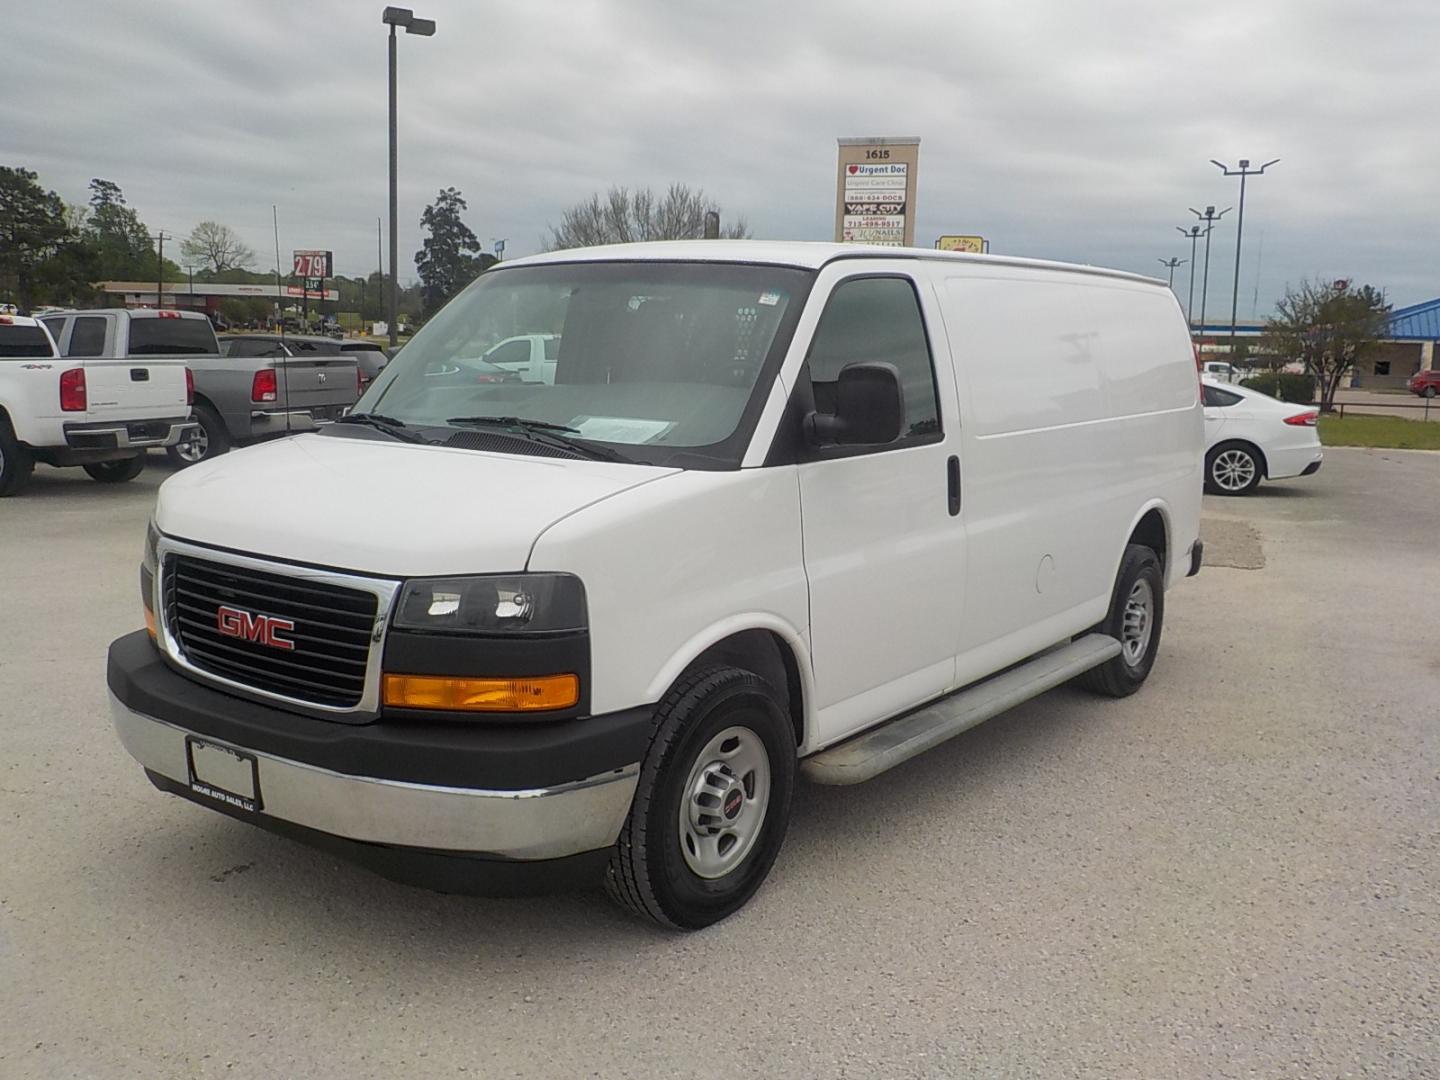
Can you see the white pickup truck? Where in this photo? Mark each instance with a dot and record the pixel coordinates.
(88, 409)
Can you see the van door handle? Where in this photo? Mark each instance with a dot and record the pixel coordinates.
(952, 473)
(139, 374)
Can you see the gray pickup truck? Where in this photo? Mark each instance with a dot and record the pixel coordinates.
(260, 386)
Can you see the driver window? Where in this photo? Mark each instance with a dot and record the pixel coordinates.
(877, 319)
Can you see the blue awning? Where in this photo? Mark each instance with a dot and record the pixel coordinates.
(1418, 322)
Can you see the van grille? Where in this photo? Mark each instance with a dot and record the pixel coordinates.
(331, 632)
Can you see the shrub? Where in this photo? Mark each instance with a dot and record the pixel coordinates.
(1296, 389)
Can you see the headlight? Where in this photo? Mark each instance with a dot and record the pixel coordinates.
(499, 604)
(150, 560)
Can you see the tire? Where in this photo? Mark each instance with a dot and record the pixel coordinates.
(210, 440)
(116, 472)
(1429, 391)
(672, 863)
(16, 464)
(1140, 580)
(1233, 468)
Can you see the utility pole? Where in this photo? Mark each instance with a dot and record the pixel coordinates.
(1194, 235)
(1242, 172)
(160, 273)
(1170, 264)
(393, 17)
(1210, 217)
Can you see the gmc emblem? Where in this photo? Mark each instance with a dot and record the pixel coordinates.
(248, 626)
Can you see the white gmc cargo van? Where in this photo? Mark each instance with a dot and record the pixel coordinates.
(783, 508)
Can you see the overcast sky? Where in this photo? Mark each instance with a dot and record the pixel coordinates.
(1069, 130)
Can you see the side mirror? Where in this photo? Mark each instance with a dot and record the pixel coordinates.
(869, 408)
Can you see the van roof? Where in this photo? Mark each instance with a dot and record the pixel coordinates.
(804, 254)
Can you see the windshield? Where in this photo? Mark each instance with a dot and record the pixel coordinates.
(665, 363)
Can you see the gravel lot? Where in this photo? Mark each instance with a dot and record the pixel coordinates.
(1231, 874)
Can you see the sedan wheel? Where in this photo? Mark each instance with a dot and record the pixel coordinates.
(1232, 469)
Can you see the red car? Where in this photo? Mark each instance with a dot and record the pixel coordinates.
(1424, 383)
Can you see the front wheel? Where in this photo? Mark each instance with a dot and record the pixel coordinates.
(712, 804)
(1429, 391)
(117, 472)
(1136, 616)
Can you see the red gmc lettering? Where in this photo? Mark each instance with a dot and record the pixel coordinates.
(248, 626)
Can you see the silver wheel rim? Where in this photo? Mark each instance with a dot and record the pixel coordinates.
(193, 449)
(1233, 470)
(725, 800)
(1138, 622)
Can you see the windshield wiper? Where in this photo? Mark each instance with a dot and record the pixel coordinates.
(396, 429)
(512, 421)
(543, 432)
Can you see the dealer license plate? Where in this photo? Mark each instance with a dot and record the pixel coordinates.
(232, 776)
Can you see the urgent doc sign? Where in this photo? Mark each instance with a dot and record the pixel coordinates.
(314, 264)
(875, 191)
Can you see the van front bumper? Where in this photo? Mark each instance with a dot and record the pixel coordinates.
(435, 800)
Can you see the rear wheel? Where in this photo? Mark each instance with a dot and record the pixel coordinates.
(1137, 614)
(116, 472)
(1232, 468)
(16, 463)
(206, 440)
(712, 804)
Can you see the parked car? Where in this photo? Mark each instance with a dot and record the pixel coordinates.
(784, 507)
(1221, 371)
(264, 386)
(98, 399)
(1424, 384)
(1250, 436)
(369, 356)
(531, 356)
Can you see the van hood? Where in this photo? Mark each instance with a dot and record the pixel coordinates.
(386, 508)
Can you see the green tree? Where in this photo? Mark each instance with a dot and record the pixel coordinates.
(121, 238)
(450, 258)
(1327, 327)
(215, 247)
(623, 216)
(32, 231)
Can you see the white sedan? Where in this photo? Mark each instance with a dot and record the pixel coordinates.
(1250, 436)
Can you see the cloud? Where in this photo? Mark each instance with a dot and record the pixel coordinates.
(1071, 131)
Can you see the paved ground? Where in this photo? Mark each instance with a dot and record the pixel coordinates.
(1232, 874)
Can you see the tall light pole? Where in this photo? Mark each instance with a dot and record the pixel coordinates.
(394, 17)
(1170, 264)
(1241, 172)
(1194, 235)
(1210, 217)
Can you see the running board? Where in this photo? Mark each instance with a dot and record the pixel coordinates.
(871, 753)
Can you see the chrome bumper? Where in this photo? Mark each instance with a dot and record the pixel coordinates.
(119, 437)
(264, 424)
(530, 824)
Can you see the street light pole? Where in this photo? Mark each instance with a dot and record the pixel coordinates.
(394, 17)
(1194, 234)
(1242, 172)
(1170, 264)
(1210, 217)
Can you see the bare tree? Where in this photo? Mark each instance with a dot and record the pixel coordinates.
(623, 216)
(1328, 327)
(217, 247)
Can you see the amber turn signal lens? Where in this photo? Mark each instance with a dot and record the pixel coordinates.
(150, 625)
(537, 694)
